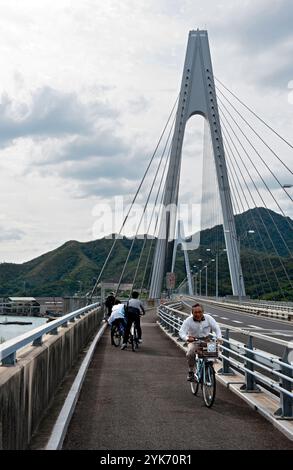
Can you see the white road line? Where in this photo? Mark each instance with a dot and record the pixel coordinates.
(236, 321)
(224, 318)
(257, 327)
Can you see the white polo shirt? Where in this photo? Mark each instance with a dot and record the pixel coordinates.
(199, 329)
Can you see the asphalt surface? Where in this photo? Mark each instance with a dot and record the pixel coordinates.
(142, 401)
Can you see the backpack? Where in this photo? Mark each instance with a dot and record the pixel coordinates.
(131, 310)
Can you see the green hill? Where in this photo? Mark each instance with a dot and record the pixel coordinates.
(76, 265)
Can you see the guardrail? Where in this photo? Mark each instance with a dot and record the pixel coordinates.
(268, 312)
(9, 348)
(245, 359)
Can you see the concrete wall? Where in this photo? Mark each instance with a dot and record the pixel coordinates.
(70, 304)
(27, 388)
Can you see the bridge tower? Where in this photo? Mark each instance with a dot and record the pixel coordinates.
(181, 240)
(197, 96)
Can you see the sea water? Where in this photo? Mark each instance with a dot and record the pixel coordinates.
(11, 331)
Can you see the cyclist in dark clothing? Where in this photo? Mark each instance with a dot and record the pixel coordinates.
(109, 302)
(133, 309)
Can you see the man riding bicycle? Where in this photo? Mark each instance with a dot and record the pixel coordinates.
(197, 327)
(118, 317)
(133, 309)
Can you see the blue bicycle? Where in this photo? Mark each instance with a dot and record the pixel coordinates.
(117, 332)
(204, 373)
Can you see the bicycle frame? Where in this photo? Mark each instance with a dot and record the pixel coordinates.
(204, 375)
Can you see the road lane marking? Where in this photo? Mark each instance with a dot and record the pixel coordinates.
(257, 327)
(236, 321)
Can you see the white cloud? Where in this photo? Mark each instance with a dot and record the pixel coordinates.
(86, 88)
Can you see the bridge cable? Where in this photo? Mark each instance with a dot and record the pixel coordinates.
(256, 207)
(264, 162)
(251, 144)
(134, 199)
(260, 119)
(231, 167)
(236, 201)
(239, 202)
(248, 156)
(266, 208)
(259, 215)
(155, 202)
(144, 210)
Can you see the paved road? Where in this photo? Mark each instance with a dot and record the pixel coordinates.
(142, 401)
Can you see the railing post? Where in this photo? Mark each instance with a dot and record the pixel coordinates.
(226, 369)
(9, 360)
(169, 325)
(250, 383)
(38, 341)
(179, 339)
(286, 402)
(161, 316)
(54, 332)
(174, 326)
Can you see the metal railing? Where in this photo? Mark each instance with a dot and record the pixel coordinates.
(246, 359)
(9, 348)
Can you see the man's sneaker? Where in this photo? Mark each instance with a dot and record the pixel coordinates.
(140, 340)
(190, 376)
(124, 346)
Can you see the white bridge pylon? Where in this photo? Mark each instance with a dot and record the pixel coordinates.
(197, 96)
(181, 240)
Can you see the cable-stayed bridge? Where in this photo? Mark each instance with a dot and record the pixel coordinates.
(245, 209)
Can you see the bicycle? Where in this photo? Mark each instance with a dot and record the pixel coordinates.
(204, 373)
(117, 333)
(133, 337)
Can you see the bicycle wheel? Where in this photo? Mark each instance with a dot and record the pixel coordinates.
(197, 374)
(133, 339)
(209, 385)
(194, 386)
(116, 336)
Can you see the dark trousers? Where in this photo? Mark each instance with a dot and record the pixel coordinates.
(132, 318)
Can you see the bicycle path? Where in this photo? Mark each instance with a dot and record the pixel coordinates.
(141, 400)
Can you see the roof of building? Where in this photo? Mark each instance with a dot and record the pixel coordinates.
(22, 299)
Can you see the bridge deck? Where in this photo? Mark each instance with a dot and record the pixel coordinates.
(142, 401)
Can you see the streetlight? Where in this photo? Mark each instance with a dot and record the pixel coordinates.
(200, 278)
(195, 280)
(206, 268)
(217, 272)
(200, 282)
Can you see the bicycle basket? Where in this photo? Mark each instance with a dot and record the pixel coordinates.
(209, 349)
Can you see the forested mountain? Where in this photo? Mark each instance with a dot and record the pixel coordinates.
(265, 256)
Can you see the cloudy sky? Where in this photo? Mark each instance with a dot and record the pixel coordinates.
(86, 87)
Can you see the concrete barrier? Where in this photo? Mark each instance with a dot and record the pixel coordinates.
(27, 389)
